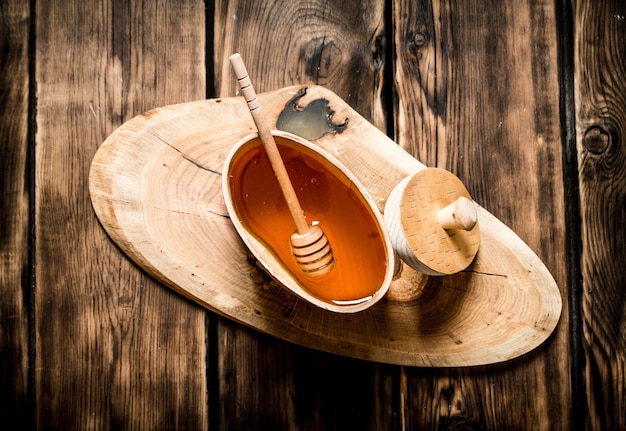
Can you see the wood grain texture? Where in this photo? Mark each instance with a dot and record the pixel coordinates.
(114, 349)
(276, 385)
(600, 94)
(15, 186)
(339, 45)
(478, 94)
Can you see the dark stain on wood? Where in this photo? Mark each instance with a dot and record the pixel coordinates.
(311, 121)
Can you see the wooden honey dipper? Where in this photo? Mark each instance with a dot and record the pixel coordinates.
(309, 244)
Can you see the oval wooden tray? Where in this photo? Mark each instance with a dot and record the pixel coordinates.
(155, 185)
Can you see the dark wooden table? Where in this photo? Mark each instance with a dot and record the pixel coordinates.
(525, 101)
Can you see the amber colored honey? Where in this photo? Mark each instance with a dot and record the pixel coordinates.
(327, 198)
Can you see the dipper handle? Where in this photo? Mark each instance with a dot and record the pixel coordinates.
(267, 139)
(309, 244)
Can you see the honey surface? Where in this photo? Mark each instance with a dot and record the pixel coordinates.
(355, 238)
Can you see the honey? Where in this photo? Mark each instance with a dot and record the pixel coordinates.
(329, 199)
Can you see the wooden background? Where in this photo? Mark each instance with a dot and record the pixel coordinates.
(525, 101)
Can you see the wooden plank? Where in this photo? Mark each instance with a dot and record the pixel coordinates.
(279, 385)
(15, 189)
(295, 42)
(600, 96)
(482, 101)
(269, 384)
(114, 348)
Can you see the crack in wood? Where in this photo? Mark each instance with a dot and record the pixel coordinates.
(489, 274)
(189, 158)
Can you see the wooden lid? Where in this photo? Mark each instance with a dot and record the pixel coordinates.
(426, 197)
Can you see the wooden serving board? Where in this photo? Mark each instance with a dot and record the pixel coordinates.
(155, 184)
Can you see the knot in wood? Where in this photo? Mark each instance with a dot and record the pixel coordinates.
(596, 140)
(320, 56)
(420, 39)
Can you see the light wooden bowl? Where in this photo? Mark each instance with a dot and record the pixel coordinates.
(333, 197)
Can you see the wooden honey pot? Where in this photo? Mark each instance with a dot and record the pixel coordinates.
(333, 198)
